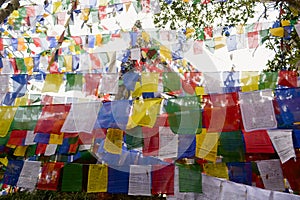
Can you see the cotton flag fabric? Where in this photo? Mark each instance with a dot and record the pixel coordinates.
(240, 172)
(82, 117)
(171, 81)
(216, 170)
(162, 178)
(258, 142)
(26, 117)
(283, 143)
(249, 81)
(257, 110)
(109, 83)
(144, 112)
(211, 187)
(12, 172)
(231, 190)
(149, 81)
(52, 118)
(29, 174)
(271, 174)
(72, 178)
(213, 82)
(190, 178)
(53, 83)
(168, 143)
(184, 114)
(97, 178)
(207, 145)
(186, 146)
(118, 179)
(140, 180)
(7, 114)
(255, 193)
(113, 141)
(74, 82)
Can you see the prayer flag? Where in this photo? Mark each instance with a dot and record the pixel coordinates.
(207, 145)
(150, 81)
(26, 117)
(52, 118)
(253, 39)
(72, 178)
(50, 176)
(12, 172)
(171, 81)
(257, 110)
(168, 143)
(240, 172)
(140, 180)
(109, 83)
(144, 113)
(97, 178)
(134, 138)
(91, 84)
(288, 78)
(74, 82)
(29, 174)
(186, 146)
(7, 114)
(82, 117)
(52, 82)
(258, 142)
(268, 80)
(216, 170)
(162, 177)
(184, 114)
(113, 141)
(118, 179)
(190, 178)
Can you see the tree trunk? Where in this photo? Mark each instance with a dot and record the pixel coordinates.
(11, 6)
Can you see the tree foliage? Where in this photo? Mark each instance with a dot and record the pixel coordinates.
(198, 14)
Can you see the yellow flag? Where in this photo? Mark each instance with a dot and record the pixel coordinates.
(21, 44)
(85, 14)
(98, 40)
(68, 62)
(249, 81)
(20, 151)
(103, 2)
(56, 139)
(285, 23)
(200, 90)
(97, 178)
(239, 29)
(57, 6)
(113, 141)
(278, 32)
(52, 82)
(7, 114)
(29, 65)
(137, 90)
(220, 42)
(146, 36)
(22, 101)
(150, 81)
(4, 161)
(207, 145)
(216, 169)
(165, 53)
(144, 113)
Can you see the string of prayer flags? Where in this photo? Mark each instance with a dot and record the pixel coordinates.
(207, 145)
(162, 178)
(52, 118)
(271, 174)
(288, 101)
(72, 178)
(184, 114)
(231, 147)
(221, 112)
(7, 114)
(113, 141)
(144, 112)
(82, 117)
(97, 178)
(190, 178)
(118, 179)
(26, 117)
(257, 110)
(283, 143)
(29, 174)
(12, 172)
(140, 180)
(258, 142)
(216, 170)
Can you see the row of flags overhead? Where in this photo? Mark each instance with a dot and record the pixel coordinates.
(177, 181)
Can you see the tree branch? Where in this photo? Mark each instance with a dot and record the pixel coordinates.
(5, 12)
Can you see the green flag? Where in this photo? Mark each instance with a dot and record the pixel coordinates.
(72, 178)
(74, 82)
(26, 117)
(184, 115)
(171, 81)
(134, 137)
(190, 178)
(268, 80)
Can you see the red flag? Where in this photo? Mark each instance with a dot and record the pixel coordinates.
(258, 142)
(287, 78)
(163, 179)
(50, 176)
